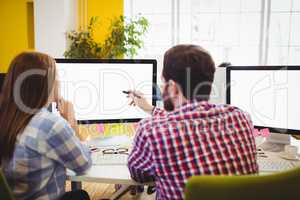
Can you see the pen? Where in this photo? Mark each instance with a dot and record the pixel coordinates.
(128, 92)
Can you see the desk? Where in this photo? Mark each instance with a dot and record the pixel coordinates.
(274, 156)
(111, 174)
(119, 174)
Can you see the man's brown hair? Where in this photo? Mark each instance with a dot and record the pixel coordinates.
(192, 68)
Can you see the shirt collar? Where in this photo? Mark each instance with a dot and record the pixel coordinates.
(190, 105)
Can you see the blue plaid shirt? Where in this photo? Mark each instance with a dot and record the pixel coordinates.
(42, 153)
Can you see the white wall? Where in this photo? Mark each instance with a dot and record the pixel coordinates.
(53, 18)
(218, 94)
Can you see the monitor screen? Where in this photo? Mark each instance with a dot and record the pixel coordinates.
(269, 94)
(95, 87)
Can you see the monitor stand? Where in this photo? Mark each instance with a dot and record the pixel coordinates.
(275, 142)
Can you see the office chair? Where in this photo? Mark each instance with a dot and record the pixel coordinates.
(5, 192)
(278, 186)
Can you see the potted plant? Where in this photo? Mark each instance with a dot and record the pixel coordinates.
(124, 39)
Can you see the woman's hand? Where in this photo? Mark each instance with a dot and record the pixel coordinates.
(66, 110)
(64, 107)
(138, 99)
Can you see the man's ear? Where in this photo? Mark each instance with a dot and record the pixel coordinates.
(174, 88)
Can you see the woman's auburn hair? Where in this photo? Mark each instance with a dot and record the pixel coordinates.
(26, 89)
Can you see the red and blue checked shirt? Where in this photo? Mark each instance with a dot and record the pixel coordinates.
(197, 138)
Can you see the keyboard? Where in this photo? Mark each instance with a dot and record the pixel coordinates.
(269, 165)
(109, 159)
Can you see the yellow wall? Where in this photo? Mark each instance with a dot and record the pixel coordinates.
(106, 10)
(16, 24)
(14, 30)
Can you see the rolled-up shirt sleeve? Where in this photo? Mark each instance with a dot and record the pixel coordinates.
(65, 148)
(140, 161)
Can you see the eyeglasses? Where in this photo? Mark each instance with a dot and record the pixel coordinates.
(116, 151)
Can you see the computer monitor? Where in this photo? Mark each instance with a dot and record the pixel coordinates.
(95, 87)
(2, 77)
(270, 94)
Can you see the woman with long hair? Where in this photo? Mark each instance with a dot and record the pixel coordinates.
(36, 146)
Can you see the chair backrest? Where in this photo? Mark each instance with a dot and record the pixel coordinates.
(278, 186)
(5, 192)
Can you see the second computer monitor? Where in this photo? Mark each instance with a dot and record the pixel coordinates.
(270, 94)
(95, 87)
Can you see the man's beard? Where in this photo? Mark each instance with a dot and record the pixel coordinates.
(168, 104)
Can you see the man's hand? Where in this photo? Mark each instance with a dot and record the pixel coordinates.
(138, 99)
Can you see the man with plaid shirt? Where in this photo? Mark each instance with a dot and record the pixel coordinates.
(190, 136)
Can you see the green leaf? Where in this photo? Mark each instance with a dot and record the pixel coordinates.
(124, 39)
